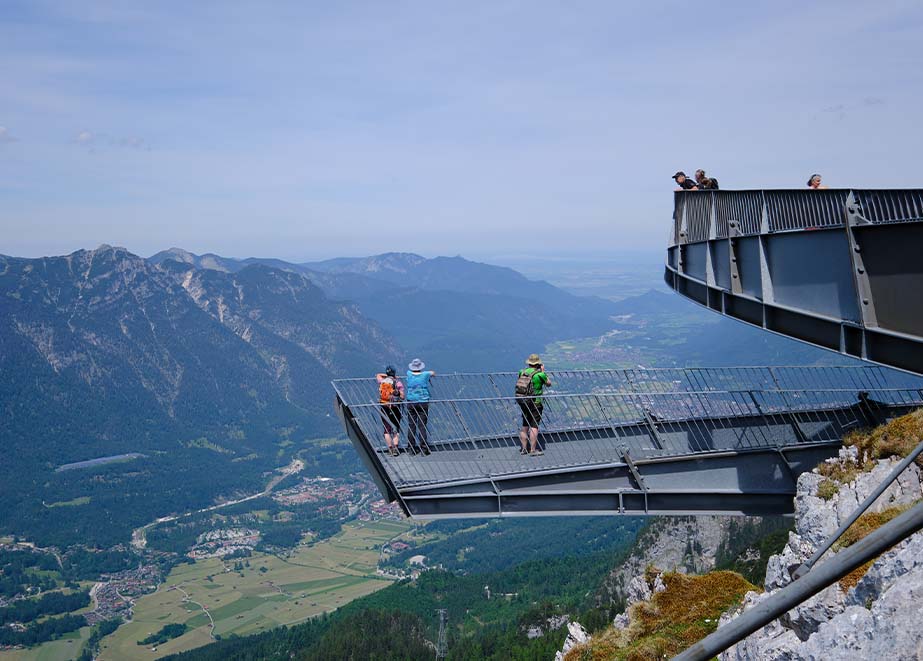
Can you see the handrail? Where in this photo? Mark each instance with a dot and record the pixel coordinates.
(634, 395)
(702, 215)
(641, 369)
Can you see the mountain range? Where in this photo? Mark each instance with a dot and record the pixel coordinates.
(217, 370)
(457, 314)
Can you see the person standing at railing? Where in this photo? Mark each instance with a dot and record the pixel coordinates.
(418, 406)
(391, 394)
(703, 182)
(684, 182)
(814, 183)
(529, 386)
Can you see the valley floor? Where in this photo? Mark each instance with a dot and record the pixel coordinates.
(268, 591)
(242, 596)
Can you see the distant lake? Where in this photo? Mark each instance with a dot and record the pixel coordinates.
(99, 461)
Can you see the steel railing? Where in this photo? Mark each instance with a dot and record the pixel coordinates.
(475, 436)
(364, 390)
(702, 215)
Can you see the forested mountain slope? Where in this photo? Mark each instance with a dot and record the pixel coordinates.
(104, 353)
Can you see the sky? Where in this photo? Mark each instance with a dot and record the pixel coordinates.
(309, 130)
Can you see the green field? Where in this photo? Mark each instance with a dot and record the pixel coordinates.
(312, 580)
(66, 648)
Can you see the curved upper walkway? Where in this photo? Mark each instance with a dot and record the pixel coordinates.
(840, 269)
(671, 441)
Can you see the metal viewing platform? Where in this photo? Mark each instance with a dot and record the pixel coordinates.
(839, 269)
(660, 441)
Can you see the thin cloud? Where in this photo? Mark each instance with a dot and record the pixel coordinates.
(94, 141)
(6, 137)
(841, 110)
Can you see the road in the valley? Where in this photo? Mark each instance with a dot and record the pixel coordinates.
(138, 536)
(186, 598)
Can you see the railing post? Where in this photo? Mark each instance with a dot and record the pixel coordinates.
(615, 433)
(864, 303)
(652, 426)
(733, 233)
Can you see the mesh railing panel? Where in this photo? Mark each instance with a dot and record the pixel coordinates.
(698, 216)
(798, 210)
(744, 209)
(890, 206)
(640, 381)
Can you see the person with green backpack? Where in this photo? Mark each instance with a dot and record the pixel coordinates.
(529, 386)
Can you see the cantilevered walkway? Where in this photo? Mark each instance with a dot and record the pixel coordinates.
(840, 269)
(670, 441)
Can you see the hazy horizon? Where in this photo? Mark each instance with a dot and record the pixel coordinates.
(474, 255)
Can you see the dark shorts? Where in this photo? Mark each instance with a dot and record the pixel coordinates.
(391, 418)
(531, 412)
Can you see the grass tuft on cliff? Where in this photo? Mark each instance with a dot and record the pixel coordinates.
(894, 439)
(684, 613)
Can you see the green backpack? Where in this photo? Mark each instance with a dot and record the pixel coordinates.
(525, 386)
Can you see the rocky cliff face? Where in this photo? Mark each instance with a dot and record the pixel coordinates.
(875, 615)
(684, 544)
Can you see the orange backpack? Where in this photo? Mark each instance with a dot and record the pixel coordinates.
(388, 392)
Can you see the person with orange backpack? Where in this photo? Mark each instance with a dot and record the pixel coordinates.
(391, 397)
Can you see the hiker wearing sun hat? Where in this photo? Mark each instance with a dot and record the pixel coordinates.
(529, 386)
(417, 405)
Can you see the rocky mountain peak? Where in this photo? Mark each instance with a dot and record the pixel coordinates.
(176, 254)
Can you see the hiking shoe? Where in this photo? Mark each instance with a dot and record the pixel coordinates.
(523, 451)
(536, 453)
(426, 450)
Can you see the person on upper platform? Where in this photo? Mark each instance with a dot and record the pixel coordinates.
(814, 183)
(684, 182)
(703, 182)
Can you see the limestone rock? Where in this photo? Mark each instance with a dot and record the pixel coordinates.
(621, 621)
(659, 585)
(815, 518)
(638, 590)
(779, 567)
(903, 559)
(891, 629)
(576, 635)
(806, 618)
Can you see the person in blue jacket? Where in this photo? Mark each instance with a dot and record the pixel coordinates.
(417, 386)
